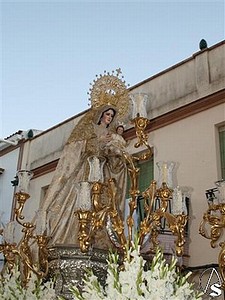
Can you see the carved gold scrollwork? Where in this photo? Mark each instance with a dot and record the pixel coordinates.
(22, 250)
(140, 124)
(211, 227)
(215, 218)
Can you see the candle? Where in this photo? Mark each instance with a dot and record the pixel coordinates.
(177, 203)
(139, 101)
(221, 190)
(24, 177)
(41, 221)
(96, 168)
(83, 200)
(166, 170)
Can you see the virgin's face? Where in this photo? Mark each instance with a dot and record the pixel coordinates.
(107, 117)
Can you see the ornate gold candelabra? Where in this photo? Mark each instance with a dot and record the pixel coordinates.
(213, 222)
(152, 222)
(21, 252)
(98, 216)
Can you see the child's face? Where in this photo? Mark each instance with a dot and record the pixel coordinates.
(120, 130)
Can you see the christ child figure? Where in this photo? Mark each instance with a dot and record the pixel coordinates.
(117, 144)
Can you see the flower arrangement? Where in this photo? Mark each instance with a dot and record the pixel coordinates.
(11, 287)
(137, 281)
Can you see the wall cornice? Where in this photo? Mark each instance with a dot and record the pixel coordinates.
(45, 169)
(181, 113)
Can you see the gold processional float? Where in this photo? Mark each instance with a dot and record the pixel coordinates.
(93, 215)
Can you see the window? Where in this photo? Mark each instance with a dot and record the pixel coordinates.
(222, 149)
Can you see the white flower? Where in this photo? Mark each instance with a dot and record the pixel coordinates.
(133, 282)
(11, 287)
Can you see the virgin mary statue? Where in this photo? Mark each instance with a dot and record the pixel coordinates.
(109, 104)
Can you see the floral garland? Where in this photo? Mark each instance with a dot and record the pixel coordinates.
(134, 282)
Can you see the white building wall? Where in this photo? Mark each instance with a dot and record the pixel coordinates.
(193, 144)
(47, 146)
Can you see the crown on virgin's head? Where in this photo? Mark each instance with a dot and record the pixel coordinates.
(110, 89)
(120, 124)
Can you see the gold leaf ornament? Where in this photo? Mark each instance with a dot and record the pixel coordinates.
(110, 89)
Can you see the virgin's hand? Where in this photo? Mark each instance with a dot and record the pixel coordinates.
(106, 138)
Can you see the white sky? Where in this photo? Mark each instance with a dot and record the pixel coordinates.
(51, 50)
